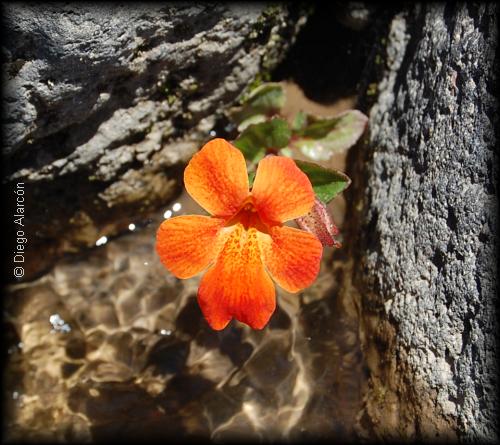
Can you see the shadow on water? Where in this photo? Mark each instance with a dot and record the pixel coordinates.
(109, 346)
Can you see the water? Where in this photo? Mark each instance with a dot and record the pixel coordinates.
(108, 345)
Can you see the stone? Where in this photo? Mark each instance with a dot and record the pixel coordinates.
(424, 204)
(103, 105)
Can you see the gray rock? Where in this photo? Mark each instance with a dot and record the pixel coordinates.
(104, 103)
(426, 198)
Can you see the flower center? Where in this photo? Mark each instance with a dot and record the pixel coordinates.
(249, 207)
(248, 216)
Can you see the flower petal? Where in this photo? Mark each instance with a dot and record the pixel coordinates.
(237, 285)
(281, 190)
(188, 244)
(291, 256)
(216, 178)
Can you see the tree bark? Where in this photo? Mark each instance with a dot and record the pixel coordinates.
(425, 204)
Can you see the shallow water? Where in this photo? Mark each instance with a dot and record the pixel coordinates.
(109, 345)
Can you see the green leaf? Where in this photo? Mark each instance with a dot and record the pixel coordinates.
(266, 97)
(327, 183)
(267, 100)
(317, 128)
(257, 138)
(320, 138)
(254, 119)
(286, 152)
(299, 122)
(251, 178)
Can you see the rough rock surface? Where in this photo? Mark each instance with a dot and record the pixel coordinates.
(103, 103)
(425, 196)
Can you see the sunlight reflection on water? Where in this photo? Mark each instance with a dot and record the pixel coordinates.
(113, 344)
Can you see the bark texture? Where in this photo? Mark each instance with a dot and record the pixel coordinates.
(425, 198)
(104, 103)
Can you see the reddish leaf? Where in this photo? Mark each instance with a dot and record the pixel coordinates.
(320, 223)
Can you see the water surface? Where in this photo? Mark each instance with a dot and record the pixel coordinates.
(108, 345)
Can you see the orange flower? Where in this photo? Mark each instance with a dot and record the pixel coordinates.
(244, 241)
